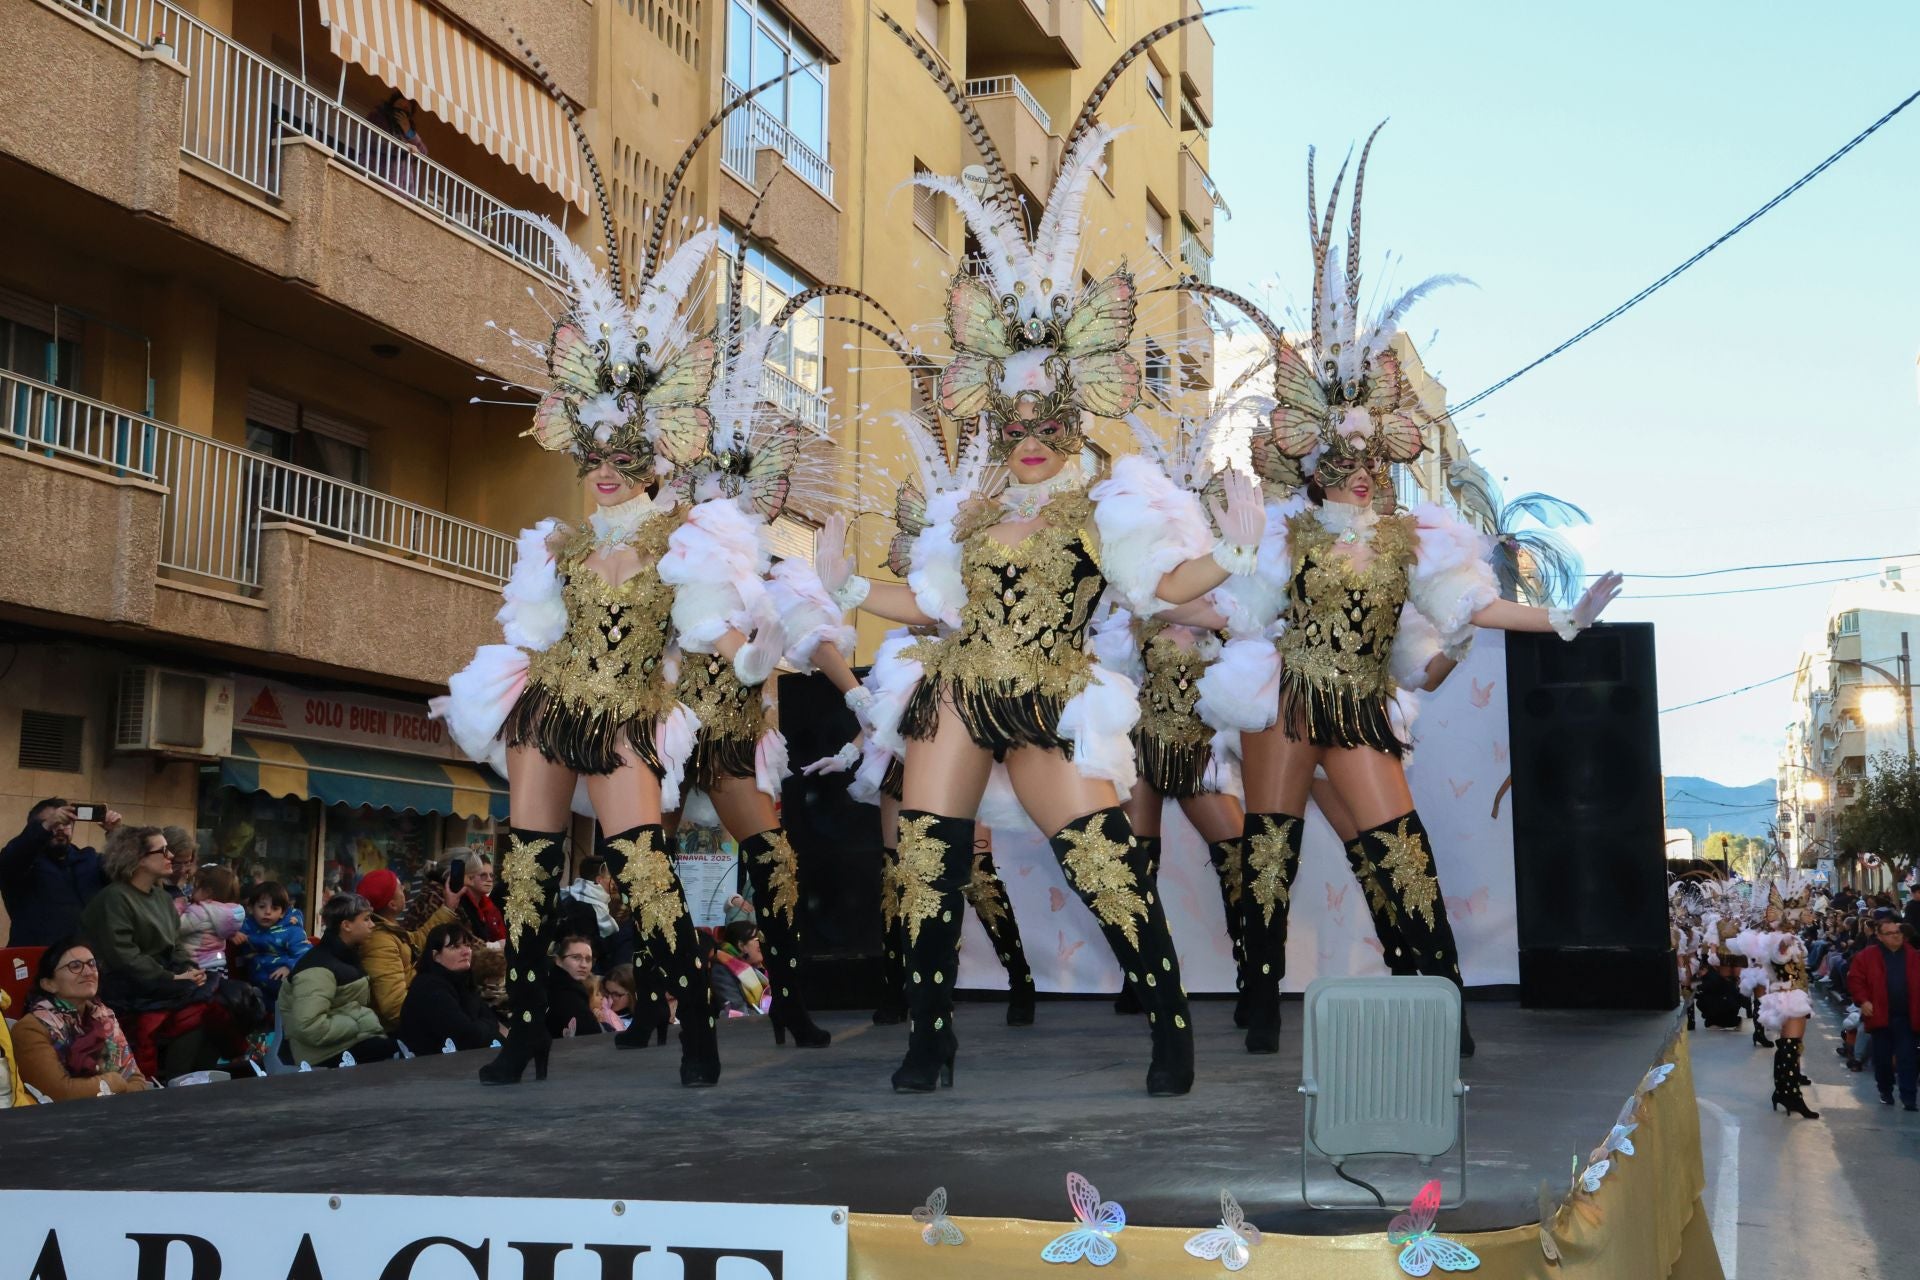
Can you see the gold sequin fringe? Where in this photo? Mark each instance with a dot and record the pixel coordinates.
(1173, 768)
(717, 758)
(996, 719)
(1335, 715)
(579, 738)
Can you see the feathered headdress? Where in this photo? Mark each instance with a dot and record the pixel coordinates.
(1534, 565)
(1033, 349)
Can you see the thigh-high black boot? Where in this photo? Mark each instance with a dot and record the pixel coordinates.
(1786, 1078)
(1127, 1002)
(1230, 865)
(774, 873)
(1385, 910)
(892, 1009)
(663, 928)
(987, 894)
(1400, 857)
(936, 861)
(1108, 869)
(1272, 843)
(530, 882)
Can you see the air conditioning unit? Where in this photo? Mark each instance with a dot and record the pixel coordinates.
(174, 713)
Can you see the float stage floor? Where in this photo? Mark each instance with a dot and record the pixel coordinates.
(822, 1127)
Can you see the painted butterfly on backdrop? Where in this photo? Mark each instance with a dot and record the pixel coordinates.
(1232, 1241)
(1421, 1250)
(935, 1227)
(1100, 1221)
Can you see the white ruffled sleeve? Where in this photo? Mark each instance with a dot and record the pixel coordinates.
(808, 614)
(892, 679)
(1452, 578)
(935, 578)
(1099, 722)
(1148, 526)
(478, 700)
(1240, 690)
(1415, 645)
(716, 562)
(1253, 601)
(535, 614)
(1115, 647)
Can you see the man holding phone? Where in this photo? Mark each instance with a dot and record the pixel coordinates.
(45, 880)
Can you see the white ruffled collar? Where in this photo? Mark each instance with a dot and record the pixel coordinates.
(615, 526)
(1348, 522)
(1025, 501)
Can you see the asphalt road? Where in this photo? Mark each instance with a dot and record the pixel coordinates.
(1790, 1198)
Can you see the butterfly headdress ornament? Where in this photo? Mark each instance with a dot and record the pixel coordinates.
(620, 383)
(1033, 348)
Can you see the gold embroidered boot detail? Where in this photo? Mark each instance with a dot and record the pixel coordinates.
(987, 895)
(774, 871)
(935, 861)
(1127, 1002)
(892, 1009)
(529, 899)
(663, 930)
(1400, 857)
(1109, 869)
(1230, 865)
(1272, 843)
(1384, 909)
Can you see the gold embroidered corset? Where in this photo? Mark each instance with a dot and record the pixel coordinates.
(726, 707)
(1341, 621)
(1171, 686)
(1028, 604)
(610, 657)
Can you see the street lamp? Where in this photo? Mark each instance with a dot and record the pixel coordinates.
(1879, 705)
(1812, 791)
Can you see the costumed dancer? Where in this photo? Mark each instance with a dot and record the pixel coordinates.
(1337, 574)
(1777, 974)
(1014, 573)
(583, 688)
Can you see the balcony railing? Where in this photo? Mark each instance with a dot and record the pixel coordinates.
(220, 495)
(1199, 261)
(46, 419)
(240, 107)
(753, 127)
(1010, 86)
(809, 407)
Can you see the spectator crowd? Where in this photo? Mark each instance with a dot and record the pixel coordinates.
(154, 970)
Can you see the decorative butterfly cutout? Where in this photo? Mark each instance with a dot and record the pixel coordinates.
(935, 1227)
(449, 1046)
(1473, 904)
(1656, 1077)
(1067, 950)
(1232, 1241)
(1590, 1177)
(1336, 902)
(1621, 1139)
(1460, 788)
(347, 1060)
(1056, 900)
(1549, 1215)
(1100, 1221)
(1421, 1250)
(1481, 694)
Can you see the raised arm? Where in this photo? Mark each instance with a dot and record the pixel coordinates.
(893, 601)
(1509, 615)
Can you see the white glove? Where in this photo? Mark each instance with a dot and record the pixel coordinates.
(1601, 594)
(1241, 523)
(859, 700)
(830, 558)
(839, 762)
(754, 661)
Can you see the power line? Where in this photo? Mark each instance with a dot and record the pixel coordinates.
(1784, 564)
(1675, 274)
(1745, 591)
(1701, 702)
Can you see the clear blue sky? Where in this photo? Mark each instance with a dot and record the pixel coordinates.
(1760, 408)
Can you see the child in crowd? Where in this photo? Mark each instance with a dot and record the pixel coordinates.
(213, 915)
(277, 935)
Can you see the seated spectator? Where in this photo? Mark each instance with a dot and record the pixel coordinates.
(391, 952)
(211, 917)
(586, 909)
(489, 928)
(618, 992)
(442, 1004)
(569, 1004)
(45, 881)
(1912, 911)
(184, 849)
(739, 972)
(13, 1088)
(329, 999)
(275, 935)
(178, 1019)
(70, 1045)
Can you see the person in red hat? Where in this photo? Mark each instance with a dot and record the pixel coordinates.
(391, 953)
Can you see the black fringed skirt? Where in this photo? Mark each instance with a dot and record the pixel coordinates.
(1335, 714)
(997, 718)
(1176, 769)
(580, 738)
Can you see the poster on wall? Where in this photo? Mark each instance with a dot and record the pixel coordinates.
(708, 864)
(1458, 773)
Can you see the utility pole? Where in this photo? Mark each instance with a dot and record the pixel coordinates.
(1906, 690)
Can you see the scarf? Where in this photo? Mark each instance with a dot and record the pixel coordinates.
(753, 983)
(88, 1041)
(488, 924)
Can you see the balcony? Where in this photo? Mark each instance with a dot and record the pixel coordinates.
(1196, 71)
(752, 128)
(1047, 32)
(1198, 197)
(1020, 128)
(805, 406)
(189, 537)
(1194, 255)
(204, 136)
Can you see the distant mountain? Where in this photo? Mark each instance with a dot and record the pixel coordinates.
(1702, 806)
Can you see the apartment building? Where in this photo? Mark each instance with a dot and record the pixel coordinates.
(253, 511)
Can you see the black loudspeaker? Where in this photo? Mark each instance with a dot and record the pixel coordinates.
(837, 842)
(1589, 820)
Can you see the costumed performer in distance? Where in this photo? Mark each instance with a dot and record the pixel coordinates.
(1777, 974)
(583, 688)
(1015, 574)
(1337, 574)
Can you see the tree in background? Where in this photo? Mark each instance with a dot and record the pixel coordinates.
(1884, 817)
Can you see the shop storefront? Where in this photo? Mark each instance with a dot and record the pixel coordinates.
(322, 787)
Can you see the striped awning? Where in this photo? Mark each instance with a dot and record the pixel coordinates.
(356, 777)
(428, 57)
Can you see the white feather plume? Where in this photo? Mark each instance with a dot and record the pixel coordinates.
(1008, 258)
(1056, 246)
(662, 311)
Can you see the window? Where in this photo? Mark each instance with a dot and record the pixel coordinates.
(27, 345)
(927, 15)
(1848, 624)
(1159, 370)
(763, 42)
(288, 431)
(1094, 461)
(926, 205)
(51, 742)
(1159, 231)
(1157, 85)
(799, 355)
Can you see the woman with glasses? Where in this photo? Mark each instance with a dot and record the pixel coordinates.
(69, 1045)
(569, 995)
